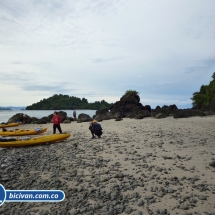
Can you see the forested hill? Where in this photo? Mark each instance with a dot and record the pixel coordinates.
(65, 102)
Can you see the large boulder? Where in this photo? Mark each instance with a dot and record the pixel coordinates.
(128, 109)
(84, 118)
(129, 106)
(66, 121)
(118, 115)
(17, 116)
(70, 118)
(102, 111)
(142, 114)
(43, 120)
(164, 111)
(184, 113)
(130, 98)
(148, 108)
(102, 114)
(62, 114)
(34, 120)
(160, 116)
(14, 118)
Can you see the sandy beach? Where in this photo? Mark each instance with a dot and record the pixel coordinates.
(148, 166)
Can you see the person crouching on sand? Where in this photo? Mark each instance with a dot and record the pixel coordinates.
(95, 129)
(56, 119)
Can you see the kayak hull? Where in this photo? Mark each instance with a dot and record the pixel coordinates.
(13, 124)
(22, 132)
(17, 142)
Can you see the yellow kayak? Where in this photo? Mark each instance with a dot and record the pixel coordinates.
(27, 141)
(13, 124)
(22, 132)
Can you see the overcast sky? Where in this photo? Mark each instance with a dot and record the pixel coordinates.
(98, 49)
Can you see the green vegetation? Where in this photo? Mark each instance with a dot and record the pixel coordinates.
(206, 94)
(134, 92)
(65, 102)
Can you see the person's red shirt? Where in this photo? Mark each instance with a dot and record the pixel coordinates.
(56, 119)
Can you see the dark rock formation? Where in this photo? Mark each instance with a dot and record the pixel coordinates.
(100, 117)
(165, 111)
(16, 118)
(118, 119)
(130, 98)
(62, 114)
(184, 113)
(128, 106)
(160, 116)
(148, 108)
(43, 120)
(207, 109)
(142, 114)
(102, 111)
(84, 118)
(117, 115)
(66, 121)
(70, 118)
(212, 164)
(34, 120)
(102, 114)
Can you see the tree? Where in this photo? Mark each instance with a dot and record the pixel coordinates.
(205, 95)
(65, 102)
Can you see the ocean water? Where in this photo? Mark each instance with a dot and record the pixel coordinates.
(5, 115)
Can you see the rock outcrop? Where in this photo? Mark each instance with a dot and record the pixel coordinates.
(165, 111)
(43, 120)
(62, 114)
(102, 114)
(16, 118)
(84, 118)
(129, 106)
(184, 113)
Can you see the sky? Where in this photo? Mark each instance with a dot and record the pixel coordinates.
(98, 49)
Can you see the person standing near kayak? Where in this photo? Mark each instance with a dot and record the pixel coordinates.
(56, 119)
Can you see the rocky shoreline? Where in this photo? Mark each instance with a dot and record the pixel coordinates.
(146, 166)
(128, 106)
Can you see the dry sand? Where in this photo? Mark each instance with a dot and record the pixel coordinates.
(148, 166)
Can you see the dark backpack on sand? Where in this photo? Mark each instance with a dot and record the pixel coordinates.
(97, 126)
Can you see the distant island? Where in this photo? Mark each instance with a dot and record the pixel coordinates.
(12, 108)
(65, 102)
(4, 108)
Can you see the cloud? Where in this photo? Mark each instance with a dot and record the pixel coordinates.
(102, 60)
(62, 47)
(16, 62)
(52, 88)
(3, 18)
(206, 65)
